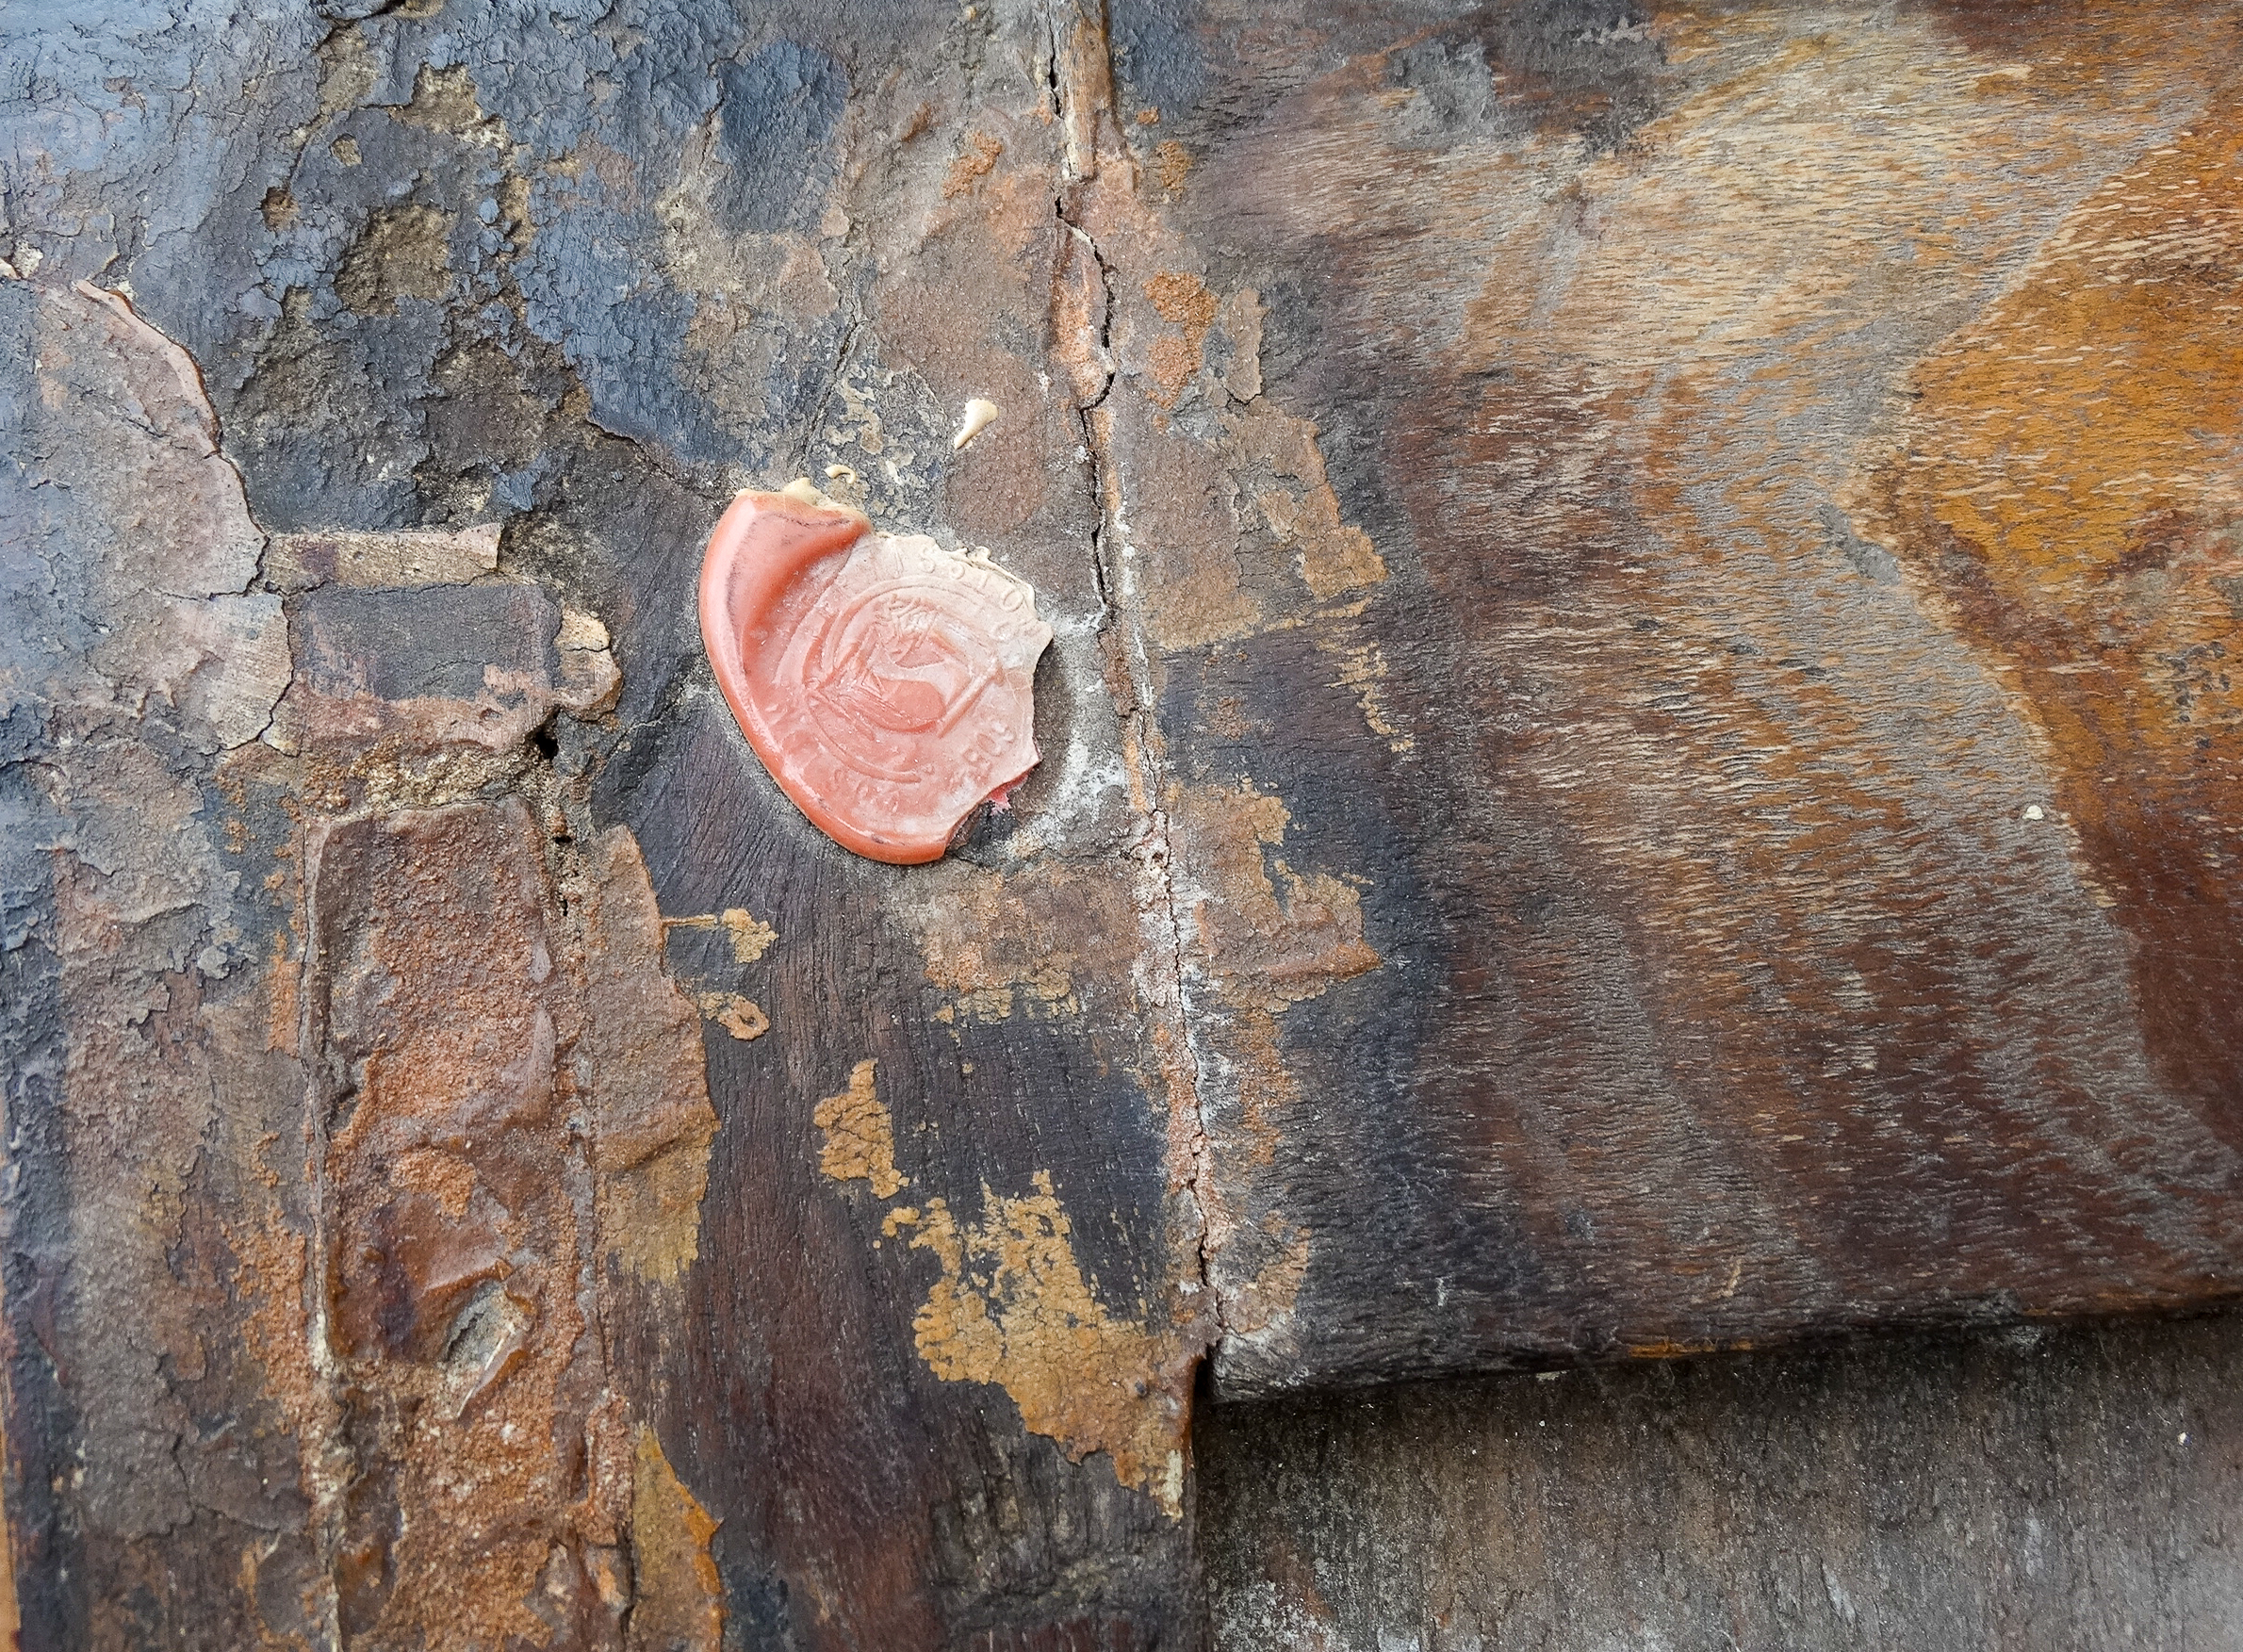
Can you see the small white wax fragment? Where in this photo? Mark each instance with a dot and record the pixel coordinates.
(803, 491)
(2033, 811)
(979, 414)
(840, 473)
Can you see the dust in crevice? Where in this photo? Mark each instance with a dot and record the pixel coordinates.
(1081, 79)
(1082, 97)
(843, 353)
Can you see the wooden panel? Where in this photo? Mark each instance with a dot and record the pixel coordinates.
(381, 836)
(1635, 757)
(2036, 1488)
(1695, 695)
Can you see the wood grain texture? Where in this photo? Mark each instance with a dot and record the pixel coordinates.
(2064, 1488)
(491, 1295)
(1770, 737)
(1638, 751)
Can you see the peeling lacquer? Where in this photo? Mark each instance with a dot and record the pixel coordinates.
(859, 1135)
(750, 938)
(738, 1014)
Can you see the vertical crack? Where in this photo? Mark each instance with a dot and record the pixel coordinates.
(1079, 73)
(812, 427)
(1075, 240)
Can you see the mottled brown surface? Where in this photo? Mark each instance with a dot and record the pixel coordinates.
(367, 1075)
(1776, 754)
(1637, 751)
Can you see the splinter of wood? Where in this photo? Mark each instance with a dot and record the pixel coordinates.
(884, 681)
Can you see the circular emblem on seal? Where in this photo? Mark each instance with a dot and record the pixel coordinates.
(901, 664)
(884, 681)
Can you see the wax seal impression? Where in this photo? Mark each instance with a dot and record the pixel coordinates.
(885, 681)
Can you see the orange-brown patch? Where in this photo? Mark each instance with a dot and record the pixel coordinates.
(978, 156)
(859, 1136)
(2067, 490)
(678, 1598)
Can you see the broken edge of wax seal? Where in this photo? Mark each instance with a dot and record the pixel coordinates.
(885, 683)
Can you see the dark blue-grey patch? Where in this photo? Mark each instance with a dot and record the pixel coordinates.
(434, 642)
(1158, 53)
(1872, 562)
(1587, 65)
(775, 128)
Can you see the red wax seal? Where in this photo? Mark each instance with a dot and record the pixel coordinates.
(884, 681)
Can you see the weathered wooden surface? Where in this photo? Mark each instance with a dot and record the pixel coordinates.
(1786, 770)
(2045, 1489)
(1637, 755)
(396, 1256)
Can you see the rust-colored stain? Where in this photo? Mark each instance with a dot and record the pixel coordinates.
(2066, 488)
(1823, 490)
(1227, 520)
(1671, 1351)
(750, 936)
(1796, 664)
(1172, 164)
(452, 1274)
(1014, 1309)
(744, 1018)
(977, 156)
(678, 1598)
(274, 1285)
(652, 1118)
(1268, 937)
(859, 1136)
(451, 1289)
(470, 1022)
(1227, 527)
(1195, 575)
(1181, 299)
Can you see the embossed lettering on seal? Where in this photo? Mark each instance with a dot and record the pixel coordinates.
(883, 680)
